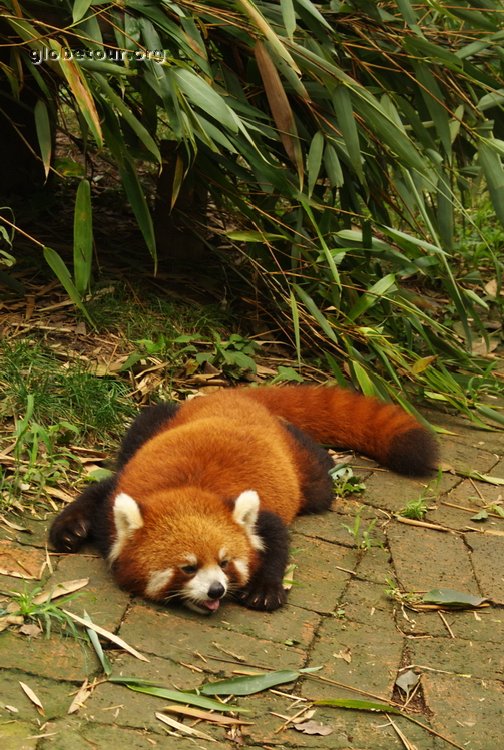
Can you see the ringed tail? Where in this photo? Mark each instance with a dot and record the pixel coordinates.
(339, 417)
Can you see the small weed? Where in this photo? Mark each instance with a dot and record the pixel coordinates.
(363, 535)
(345, 481)
(44, 612)
(415, 509)
(232, 356)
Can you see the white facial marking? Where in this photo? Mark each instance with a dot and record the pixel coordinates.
(242, 569)
(158, 581)
(197, 587)
(127, 519)
(190, 559)
(245, 513)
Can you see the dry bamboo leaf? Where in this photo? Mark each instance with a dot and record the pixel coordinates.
(278, 101)
(33, 697)
(313, 727)
(106, 634)
(80, 698)
(59, 494)
(197, 713)
(60, 589)
(14, 526)
(8, 620)
(30, 629)
(182, 728)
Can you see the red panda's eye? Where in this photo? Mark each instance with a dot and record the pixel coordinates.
(189, 569)
(223, 564)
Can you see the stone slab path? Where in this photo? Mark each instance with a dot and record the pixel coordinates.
(340, 617)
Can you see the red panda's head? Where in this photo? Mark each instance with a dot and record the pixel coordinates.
(185, 544)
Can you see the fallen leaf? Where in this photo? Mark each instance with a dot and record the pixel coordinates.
(14, 526)
(345, 654)
(30, 629)
(80, 698)
(451, 598)
(33, 697)
(8, 620)
(481, 516)
(182, 728)
(196, 713)
(60, 589)
(313, 727)
(106, 634)
(407, 681)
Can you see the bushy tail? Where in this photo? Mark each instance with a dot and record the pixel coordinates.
(339, 417)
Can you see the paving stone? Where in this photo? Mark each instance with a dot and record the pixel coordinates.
(375, 565)
(390, 492)
(59, 658)
(20, 563)
(469, 712)
(368, 603)
(17, 735)
(360, 655)
(294, 625)
(426, 559)
(53, 694)
(351, 730)
(179, 636)
(487, 557)
(486, 625)
(471, 658)
(102, 599)
(319, 582)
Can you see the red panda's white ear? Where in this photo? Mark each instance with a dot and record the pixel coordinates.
(127, 519)
(245, 513)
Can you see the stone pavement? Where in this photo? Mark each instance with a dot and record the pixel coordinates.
(339, 617)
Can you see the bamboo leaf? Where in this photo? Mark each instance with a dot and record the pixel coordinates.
(178, 696)
(80, 90)
(379, 289)
(80, 8)
(56, 263)
(493, 170)
(289, 17)
(205, 97)
(248, 685)
(136, 197)
(314, 160)
(451, 598)
(280, 107)
(44, 133)
(83, 237)
(346, 120)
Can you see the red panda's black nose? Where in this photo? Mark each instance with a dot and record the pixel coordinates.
(216, 590)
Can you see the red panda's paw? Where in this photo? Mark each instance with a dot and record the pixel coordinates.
(70, 530)
(262, 594)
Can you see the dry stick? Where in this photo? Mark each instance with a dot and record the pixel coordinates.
(445, 623)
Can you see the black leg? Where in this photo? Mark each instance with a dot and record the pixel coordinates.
(84, 520)
(265, 590)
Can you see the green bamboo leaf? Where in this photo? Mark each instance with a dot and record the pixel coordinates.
(178, 696)
(126, 113)
(489, 413)
(372, 295)
(138, 201)
(451, 598)
(491, 165)
(333, 166)
(83, 237)
(202, 95)
(358, 705)
(433, 98)
(314, 160)
(249, 685)
(317, 314)
(57, 265)
(80, 8)
(44, 133)
(346, 120)
(289, 17)
(95, 641)
(366, 385)
(310, 8)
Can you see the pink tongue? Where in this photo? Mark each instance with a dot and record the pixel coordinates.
(212, 604)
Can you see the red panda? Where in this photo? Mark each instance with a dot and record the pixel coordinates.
(204, 491)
